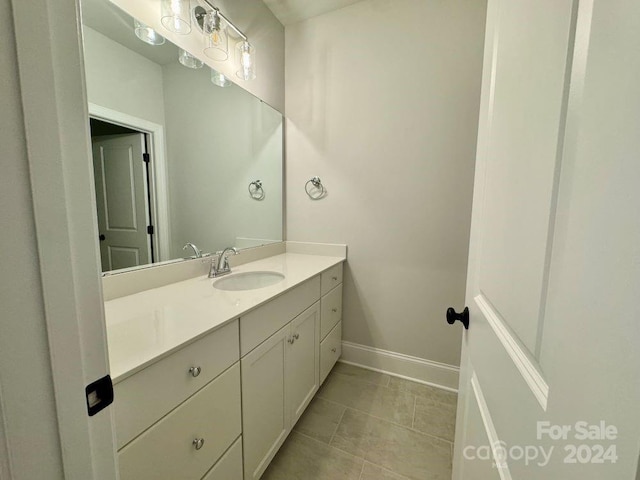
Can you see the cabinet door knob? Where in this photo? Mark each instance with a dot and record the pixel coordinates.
(334, 310)
(334, 278)
(334, 349)
(198, 443)
(195, 371)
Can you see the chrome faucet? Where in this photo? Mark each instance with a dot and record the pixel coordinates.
(220, 263)
(196, 250)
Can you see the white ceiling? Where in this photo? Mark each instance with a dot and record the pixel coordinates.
(292, 11)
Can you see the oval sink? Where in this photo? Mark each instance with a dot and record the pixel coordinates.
(248, 281)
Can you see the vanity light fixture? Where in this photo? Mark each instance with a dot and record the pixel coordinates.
(176, 16)
(146, 33)
(217, 39)
(188, 60)
(247, 56)
(219, 79)
(216, 42)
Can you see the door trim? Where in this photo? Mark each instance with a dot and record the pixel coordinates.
(490, 429)
(159, 169)
(56, 124)
(526, 366)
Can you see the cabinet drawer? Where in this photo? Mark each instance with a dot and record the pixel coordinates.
(330, 351)
(330, 310)
(229, 467)
(144, 398)
(166, 451)
(330, 278)
(259, 324)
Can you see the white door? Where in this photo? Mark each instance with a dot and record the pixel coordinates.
(303, 362)
(121, 199)
(549, 385)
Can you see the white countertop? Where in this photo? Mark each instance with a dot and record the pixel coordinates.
(147, 326)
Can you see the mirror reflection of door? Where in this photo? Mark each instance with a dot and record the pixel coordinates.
(122, 196)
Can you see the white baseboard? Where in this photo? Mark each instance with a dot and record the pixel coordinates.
(436, 374)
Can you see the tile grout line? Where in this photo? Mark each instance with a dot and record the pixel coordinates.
(338, 425)
(390, 377)
(388, 387)
(413, 417)
(364, 460)
(388, 470)
(411, 429)
(399, 390)
(362, 380)
(332, 447)
(362, 469)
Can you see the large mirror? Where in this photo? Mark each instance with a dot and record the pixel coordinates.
(177, 159)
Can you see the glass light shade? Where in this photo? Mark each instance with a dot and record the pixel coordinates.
(219, 79)
(176, 16)
(188, 60)
(216, 41)
(146, 33)
(247, 57)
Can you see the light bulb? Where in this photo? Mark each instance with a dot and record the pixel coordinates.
(246, 53)
(215, 40)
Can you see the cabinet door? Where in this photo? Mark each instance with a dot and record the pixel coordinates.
(303, 364)
(266, 420)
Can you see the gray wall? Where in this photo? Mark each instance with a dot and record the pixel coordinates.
(382, 103)
(122, 80)
(219, 140)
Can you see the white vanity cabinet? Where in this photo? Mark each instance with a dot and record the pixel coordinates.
(220, 406)
(279, 379)
(330, 319)
(177, 417)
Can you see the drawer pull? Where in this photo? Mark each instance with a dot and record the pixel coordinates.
(334, 278)
(296, 336)
(334, 310)
(290, 340)
(198, 443)
(334, 349)
(195, 371)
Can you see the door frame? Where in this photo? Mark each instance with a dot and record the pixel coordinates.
(56, 125)
(159, 191)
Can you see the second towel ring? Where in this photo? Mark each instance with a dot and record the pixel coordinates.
(257, 192)
(319, 187)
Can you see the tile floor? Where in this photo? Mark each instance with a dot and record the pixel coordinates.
(364, 425)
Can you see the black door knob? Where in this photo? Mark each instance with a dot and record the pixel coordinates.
(102, 237)
(452, 316)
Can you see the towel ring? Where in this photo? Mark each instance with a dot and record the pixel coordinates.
(257, 192)
(319, 187)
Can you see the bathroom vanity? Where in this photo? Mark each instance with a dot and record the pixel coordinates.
(209, 382)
